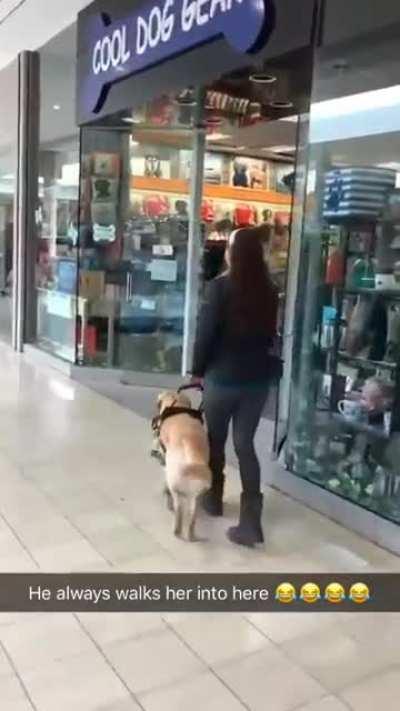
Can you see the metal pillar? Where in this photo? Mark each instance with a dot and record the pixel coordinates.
(195, 247)
(24, 310)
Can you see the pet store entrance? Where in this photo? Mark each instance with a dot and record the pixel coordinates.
(163, 185)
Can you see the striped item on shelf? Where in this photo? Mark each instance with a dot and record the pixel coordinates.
(357, 192)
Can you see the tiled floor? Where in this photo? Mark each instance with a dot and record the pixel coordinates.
(78, 491)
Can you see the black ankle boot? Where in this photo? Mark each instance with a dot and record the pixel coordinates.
(249, 531)
(213, 500)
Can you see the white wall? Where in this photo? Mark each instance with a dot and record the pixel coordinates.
(28, 24)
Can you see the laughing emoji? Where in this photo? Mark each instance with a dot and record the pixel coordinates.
(335, 593)
(359, 593)
(286, 593)
(310, 593)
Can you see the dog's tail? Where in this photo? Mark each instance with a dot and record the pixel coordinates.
(195, 479)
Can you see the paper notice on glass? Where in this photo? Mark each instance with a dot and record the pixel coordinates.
(163, 250)
(60, 304)
(148, 304)
(164, 270)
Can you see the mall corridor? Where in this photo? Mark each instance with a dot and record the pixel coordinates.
(79, 492)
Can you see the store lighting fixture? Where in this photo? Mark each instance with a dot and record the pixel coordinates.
(57, 107)
(130, 119)
(281, 149)
(70, 173)
(263, 78)
(356, 103)
(290, 119)
(281, 104)
(218, 136)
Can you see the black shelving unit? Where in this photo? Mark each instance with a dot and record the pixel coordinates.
(334, 355)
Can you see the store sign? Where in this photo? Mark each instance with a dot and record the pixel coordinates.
(164, 29)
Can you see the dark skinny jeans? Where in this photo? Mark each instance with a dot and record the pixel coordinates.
(244, 406)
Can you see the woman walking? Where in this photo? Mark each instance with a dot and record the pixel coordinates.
(236, 329)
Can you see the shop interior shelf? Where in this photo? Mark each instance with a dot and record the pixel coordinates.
(387, 293)
(360, 362)
(375, 431)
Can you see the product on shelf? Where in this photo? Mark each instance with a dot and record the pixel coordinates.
(355, 192)
(156, 205)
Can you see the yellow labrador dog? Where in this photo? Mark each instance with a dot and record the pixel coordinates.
(184, 441)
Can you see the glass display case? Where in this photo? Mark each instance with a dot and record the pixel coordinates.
(344, 428)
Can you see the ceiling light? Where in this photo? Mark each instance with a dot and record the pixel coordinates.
(57, 107)
(356, 103)
(218, 136)
(130, 119)
(281, 149)
(281, 104)
(262, 78)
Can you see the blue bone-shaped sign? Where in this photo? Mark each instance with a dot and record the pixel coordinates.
(165, 28)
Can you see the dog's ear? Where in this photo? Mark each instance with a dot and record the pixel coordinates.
(160, 401)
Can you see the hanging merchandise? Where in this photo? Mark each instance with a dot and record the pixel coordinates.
(219, 101)
(392, 354)
(244, 216)
(161, 112)
(156, 206)
(106, 165)
(241, 174)
(362, 275)
(335, 270)
(152, 167)
(207, 212)
(355, 192)
(104, 189)
(104, 219)
(181, 209)
(367, 329)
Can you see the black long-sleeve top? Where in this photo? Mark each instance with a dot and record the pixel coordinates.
(222, 355)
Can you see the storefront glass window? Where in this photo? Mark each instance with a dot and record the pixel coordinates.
(57, 217)
(8, 172)
(162, 188)
(136, 177)
(345, 406)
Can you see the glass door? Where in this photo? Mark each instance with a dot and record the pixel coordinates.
(8, 186)
(135, 222)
